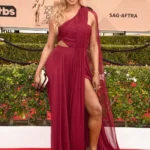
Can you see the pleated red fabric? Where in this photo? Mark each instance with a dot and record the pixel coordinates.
(67, 68)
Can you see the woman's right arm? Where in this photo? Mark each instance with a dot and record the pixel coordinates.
(49, 46)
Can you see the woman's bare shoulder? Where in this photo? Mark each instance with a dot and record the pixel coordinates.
(91, 14)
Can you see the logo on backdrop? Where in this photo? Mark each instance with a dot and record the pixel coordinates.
(47, 12)
(123, 15)
(41, 12)
(7, 11)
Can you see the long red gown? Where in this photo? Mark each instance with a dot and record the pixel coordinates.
(67, 68)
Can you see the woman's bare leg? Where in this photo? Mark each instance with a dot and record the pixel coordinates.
(95, 114)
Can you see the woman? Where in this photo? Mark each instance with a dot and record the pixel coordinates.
(76, 93)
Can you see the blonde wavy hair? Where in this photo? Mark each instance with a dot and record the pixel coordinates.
(58, 15)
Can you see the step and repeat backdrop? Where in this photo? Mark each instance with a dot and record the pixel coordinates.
(119, 15)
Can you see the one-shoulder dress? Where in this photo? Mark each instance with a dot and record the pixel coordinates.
(67, 68)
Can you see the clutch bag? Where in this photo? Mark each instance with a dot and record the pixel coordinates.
(43, 79)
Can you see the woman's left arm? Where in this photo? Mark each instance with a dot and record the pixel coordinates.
(94, 49)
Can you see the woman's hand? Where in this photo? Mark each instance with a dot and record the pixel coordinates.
(37, 80)
(96, 82)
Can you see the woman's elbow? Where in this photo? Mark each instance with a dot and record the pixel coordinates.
(49, 46)
(94, 47)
